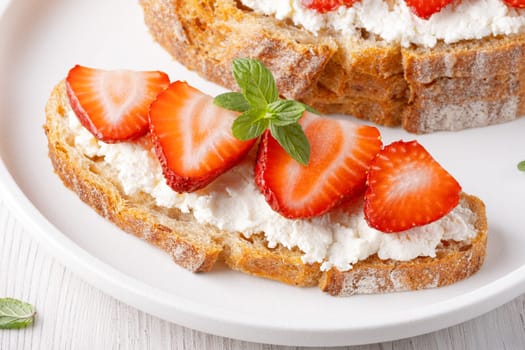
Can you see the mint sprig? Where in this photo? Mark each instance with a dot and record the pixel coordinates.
(262, 109)
(15, 314)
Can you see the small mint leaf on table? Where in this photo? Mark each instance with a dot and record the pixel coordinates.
(250, 124)
(15, 314)
(234, 101)
(293, 140)
(256, 82)
(285, 112)
(521, 165)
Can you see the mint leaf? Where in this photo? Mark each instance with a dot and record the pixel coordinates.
(285, 112)
(250, 124)
(293, 139)
(15, 314)
(256, 82)
(234, 101)
(521, 166)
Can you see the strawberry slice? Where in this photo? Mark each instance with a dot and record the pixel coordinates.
(113, 105)
(193, 138)
(341, 152)
(426, 8)
(324, 6)
(515, 3)
(407, 188)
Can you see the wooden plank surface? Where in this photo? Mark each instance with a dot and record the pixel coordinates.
(75, 315)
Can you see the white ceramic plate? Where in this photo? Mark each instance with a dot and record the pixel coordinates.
(41, 40)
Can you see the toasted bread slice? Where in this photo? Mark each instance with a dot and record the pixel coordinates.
(448, 87)
(197, 247)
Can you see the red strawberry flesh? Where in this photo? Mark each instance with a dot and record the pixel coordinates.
(324, 6)
(193, 138)
(407, 188)
(426, 8)
(515, 3)
(113, 105)
(340, 154)
(321, 6)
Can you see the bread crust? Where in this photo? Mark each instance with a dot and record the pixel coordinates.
(364, 77)
(454, 261)
(197, 247)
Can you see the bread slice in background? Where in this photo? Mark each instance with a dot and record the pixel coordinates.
(449, 87)
(198, 247)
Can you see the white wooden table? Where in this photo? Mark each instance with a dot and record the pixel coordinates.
(75, 315)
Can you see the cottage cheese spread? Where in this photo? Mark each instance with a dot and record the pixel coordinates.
(394, 22)
(232, 202)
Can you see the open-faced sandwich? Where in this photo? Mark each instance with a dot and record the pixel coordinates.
(265, 184)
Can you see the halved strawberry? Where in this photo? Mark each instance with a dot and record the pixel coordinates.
(324, 6)
(193, 137)
(515, 3)
(407, 188)
(113, 105)
(426, 8)
(341, 152)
